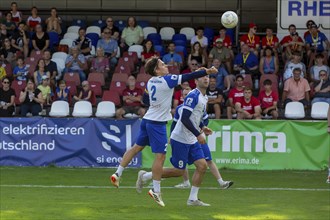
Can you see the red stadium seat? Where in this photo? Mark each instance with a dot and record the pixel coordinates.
(118, 86)
(9, 69)
(112, 96)
(36, 54)
(142, 77)
(127, 60)
(72, 88)
(18, 86)
(247, 82)
(96, 88)
(123, 68)
(141, 85)
(271, 77)
(96, 77)
(133, 55)
(119, 77)
(73, 77)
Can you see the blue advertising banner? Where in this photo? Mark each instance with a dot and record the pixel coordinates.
(66, 142)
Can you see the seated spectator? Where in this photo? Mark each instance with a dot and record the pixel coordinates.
(199, 37)
(51, 67)
(7, 99)
(296, 89)
(223, 80)
(10, 25)
(40, 39)
(270, 40)
(30, 99)
(268, 62)
(75, 62)
(235, 94)
(248, 107)
(148, 51)
(291, 43)
(131, 35)
(314, 45)
(215, 98)
(132, 98)
(33, 19)
(40, 72)
(221, 53)
(172, 58)
(83, 43)
(246, 62)
(85, 94)
(295, 62)
(3, 34)
(110, 47)
(193, 66)
(62, 92)
(54, 21)
(309, 24)
(45, 89)
(197, 54)
(3, 72)
(251, 39)
(225, 40)
(268, 100)
(16, 15)
(21, 71)
(114, 29)
(322, 88)
(315, 70)
(179, 95)
(20, 40)
(8, 53)
(100, 64)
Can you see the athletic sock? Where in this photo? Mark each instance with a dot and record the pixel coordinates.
(120, 170)
(329, 171)
(156, 185)
(147, 176)
(220, 181)
(193, 193)
(186, 182)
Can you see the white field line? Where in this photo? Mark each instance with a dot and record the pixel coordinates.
(166, 187)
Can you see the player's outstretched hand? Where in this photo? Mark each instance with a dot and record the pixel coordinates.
(201, 138)
(212, 70)
(207, 131)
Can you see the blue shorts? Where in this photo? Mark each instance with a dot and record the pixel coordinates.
(185, 153)
(207, 152)
(154, 134)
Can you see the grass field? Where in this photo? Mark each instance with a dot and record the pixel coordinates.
(84, 193)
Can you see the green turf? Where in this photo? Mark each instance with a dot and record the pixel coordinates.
(105, 202)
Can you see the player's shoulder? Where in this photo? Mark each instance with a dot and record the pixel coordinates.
(194, 93)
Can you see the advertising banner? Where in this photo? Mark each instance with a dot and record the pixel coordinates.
(265, 145)
(66, 142)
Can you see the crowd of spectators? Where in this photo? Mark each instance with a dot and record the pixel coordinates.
(300, 66)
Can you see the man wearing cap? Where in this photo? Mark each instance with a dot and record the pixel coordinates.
(291, 43)
(314, 45)
(251, 39)
(221, 53)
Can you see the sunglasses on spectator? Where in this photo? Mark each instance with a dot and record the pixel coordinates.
(107, 32)
(194, 64)
(323, 74)
(255, 28)
(109, 21)
(5, 82)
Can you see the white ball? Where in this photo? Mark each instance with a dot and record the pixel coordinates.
(229, 19)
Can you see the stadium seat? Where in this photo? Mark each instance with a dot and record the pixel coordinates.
(18, 86)
(69, 35)
(155, 38)
(142, 70)
(141, 85)
(112, 96)
(209, 34)
(133, 55)
(271, 77)
(181, 49)
(32, 61)
(73, 29)
(127, 60)
(72, 88)
(247, 81)
(142, 77)
(188, 31)
(179, 37)
(136, 48)
(94, 29)
(59, 109)
(320, 110)
(160, 49)
(67, 41)
(167, 33)
(82, 109)
(149, 30)
(143, 23)
(294, 110)
(180, 43)
(100, 23)
(60, 66)
(94, 37)
(117, 86)
(8, 68)
(105, 109)
(60, 55)
(54, 39)
(121, 24)
(123, 68)
(96, 77)
(93, 52)
(79, 22)
(36, 54)
(96, 88)
(119, 77)
(73, 77)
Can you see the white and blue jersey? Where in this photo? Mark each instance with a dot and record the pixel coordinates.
(160, 89)
(195, 102)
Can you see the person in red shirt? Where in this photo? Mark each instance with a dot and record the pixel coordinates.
(235, 94)
(248, 107)
(193, 66)
(132, 97)
(291, 43)
(268, 100)
(179, 95)
(251, 39)
(270, 40)
(148, 51)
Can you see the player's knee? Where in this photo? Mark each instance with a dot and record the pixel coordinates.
(201, 166)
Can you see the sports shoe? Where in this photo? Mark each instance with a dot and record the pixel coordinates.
(157, 197)
(226, 184)
(114, 179)
(183, 185)
(196, 203)
(139, 181)
(328, 180)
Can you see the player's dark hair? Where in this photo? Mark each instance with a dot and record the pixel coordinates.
(267, 82)
(151, 66)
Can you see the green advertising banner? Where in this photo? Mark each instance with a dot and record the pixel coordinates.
(264, 145)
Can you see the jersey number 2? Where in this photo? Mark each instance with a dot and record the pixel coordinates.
(153, 91)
